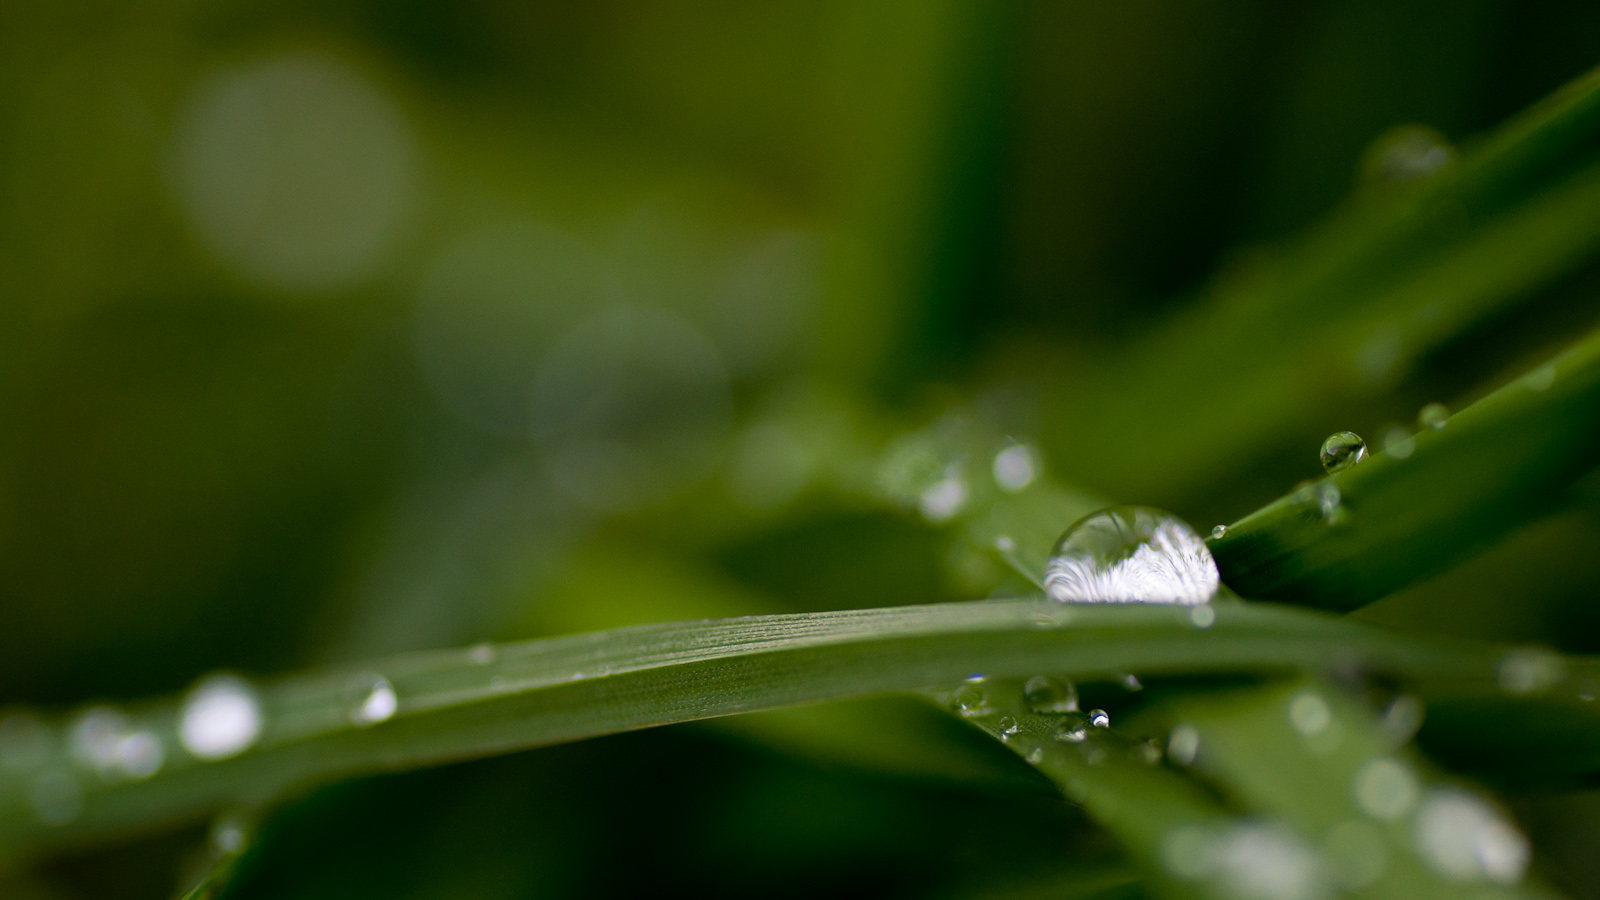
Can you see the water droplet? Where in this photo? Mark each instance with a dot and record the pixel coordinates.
(24, 742)
(56, 797)
(480, 654)
(1309, 714)
(1035, 756)
(1342, 450)
(1434, 416)
(1398, 443)
(1540, 379)
(1131, 554)
(944, 498)
(1072, 730)
(373, 700)
(1401, 719)
(1008, 727)
(1099, 719)
(1130, 682)
(1404, 154)
(221, 717)
(140, 754)
(1050, 696)
(970, 700)
(1465, 839)
(1219, 532)
(1324, 496)
(1530, 670)
(229, 834)
(1183, 744)
(1202, 616)
(1356, 852)
(1385, 789)
(1015, 468)
(93, 736)
(1005, 544)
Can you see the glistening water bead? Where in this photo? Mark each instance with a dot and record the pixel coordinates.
(1342, 450)
(1131, 554)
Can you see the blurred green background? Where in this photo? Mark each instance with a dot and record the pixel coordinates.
(339, 329)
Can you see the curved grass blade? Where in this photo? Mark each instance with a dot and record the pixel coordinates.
(461, 704)
(1425, 501)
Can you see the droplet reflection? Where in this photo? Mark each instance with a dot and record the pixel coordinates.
(1131, 554)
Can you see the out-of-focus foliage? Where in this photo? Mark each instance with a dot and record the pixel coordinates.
(336, 330)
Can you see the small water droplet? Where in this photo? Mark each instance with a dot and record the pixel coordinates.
(1540, 379)
(1015, 468)
(480, 654)
(1434, 416)
(1202, 616)
(1099, 718)
(221, 717)
(944, 498)
(56, 797)
(1072, 730)
(24, 742)
(1007, 727)
(1183, 744)
(1131, 554)
(1035, 756)
(970, 700)
(1401, 719)
(1530, 670)
(1405, 153)
(1050, 696)
(1398, 443)
(372, 699)
(1219, 532)
(1309, 713)
(1342, 450)
(1464, 839)
(1385, 789)
(1131, 682)
(229, 833)
(1004, 544)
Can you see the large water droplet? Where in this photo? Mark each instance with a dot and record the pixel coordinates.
(1072, 730)
(1434, 416)
(1099, 718)
(221, 717)
(1050, 696)
(1342, 450)
(373, 700)
(1131, 554)
(1465, 839)
(970, 700)
(1008, 727)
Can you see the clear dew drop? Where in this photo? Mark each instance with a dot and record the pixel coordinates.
(970, 700)
(1099, 718)
(1322, 496)
(1183, 744)
(1015, 468)
(1385, 789)
(1342, 450)
(1202, 616)
(1050, 696)
(1007, 727)
(1131, 554)
(1398, 443)
(221, 717)
(1131, 682)
(1035, 756)
(1434, 416)
(944, 498)
(1219, 532)
(1463, 838)
(373, 700)
(1072, 730)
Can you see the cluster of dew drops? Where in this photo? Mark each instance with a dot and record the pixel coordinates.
(1044, 695)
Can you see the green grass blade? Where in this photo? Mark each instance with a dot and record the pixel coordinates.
(1422, 503)
(471, 703)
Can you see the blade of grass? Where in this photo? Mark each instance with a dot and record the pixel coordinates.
(1423, 502)
(471, 703)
